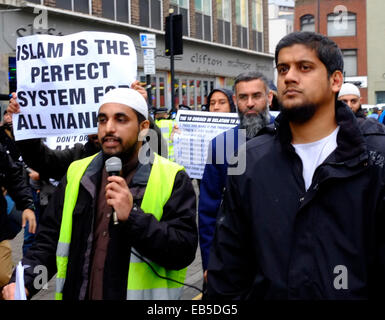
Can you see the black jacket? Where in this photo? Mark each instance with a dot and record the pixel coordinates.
(52, 163)
(274, 240)
(13, 180)
(171, 243)
(9, 143)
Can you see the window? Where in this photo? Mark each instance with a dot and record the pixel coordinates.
(150, 14)
(36, 1)
(203, 19)
(341, 25)
(224, 21)
(257, 25)
(380, 97)
(241, 22)
(307, 23)
(350, 62)
(181, 7)
(78, 5)
(64, 4)
(116, 10)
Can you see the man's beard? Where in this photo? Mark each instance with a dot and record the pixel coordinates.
(253, 123)
(125, 155)
(299, 114)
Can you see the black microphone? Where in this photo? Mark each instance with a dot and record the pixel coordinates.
(113, 168)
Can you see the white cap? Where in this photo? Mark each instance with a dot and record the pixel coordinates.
(128, 97)
(349, 88)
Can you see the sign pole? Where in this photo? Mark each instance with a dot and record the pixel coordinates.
(172, 63)
(148, 44)
(148, 88)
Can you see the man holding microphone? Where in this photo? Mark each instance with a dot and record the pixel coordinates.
(155, 237)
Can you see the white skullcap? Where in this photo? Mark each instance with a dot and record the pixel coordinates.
(128, 97)
(349, 88)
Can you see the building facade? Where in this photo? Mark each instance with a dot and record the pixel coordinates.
(344, 21)
(281, 21)
(376, 51)
(221, 38)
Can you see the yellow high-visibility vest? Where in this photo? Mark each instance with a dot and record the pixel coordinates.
(142, 282)
(166, 126)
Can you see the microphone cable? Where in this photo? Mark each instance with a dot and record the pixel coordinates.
(165, 278)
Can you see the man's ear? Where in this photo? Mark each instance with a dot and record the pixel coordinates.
(234, 99)
(144, 125)
(143, 129)
(270, 96)
(336, 81)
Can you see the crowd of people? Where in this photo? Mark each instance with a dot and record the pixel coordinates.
(303, 220)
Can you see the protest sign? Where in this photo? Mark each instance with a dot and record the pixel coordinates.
(198, 128)
(65, 141)
(61, 80)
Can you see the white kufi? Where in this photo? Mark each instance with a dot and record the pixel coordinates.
(128, 97)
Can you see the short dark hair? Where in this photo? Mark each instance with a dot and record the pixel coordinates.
(140, 117)
(326, 49)
(250, 76)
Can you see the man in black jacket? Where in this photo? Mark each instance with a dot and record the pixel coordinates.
(306, 219)
(12, 179)
(155, 208)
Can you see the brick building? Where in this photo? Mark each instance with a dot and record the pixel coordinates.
(221, 38)
(345, 22)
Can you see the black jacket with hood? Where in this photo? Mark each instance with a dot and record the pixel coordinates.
(275, 240)
(229, 95)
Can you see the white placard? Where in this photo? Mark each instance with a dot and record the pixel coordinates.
(198, 128)
(148, 54)
(149, 69)
(61, 80)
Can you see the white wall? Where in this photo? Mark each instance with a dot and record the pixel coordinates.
(278, 28)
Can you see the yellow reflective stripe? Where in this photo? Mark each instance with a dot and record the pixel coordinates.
(155, 294)
(58, 296)
(62, 249)
(60, 284)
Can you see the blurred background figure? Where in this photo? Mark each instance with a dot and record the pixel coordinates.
(350, 94)
(166, 125)
(221, 100)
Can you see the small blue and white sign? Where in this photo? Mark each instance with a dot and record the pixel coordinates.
(147, 41)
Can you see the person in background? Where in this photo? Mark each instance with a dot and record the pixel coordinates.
(221, 100)
(252, 97)
(350, 94)
(13, 181)
(166, 125)
(375, 113)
